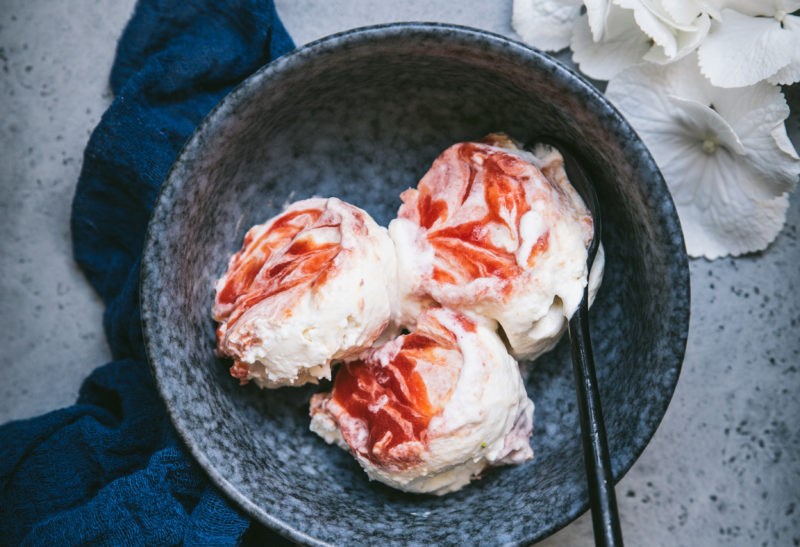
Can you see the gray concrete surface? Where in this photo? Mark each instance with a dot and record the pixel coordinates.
(723, 468)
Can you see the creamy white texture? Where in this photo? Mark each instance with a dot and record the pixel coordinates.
(487, 419)
(291, 336)
(543, 254)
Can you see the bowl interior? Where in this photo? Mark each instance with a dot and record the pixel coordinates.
(361, 116)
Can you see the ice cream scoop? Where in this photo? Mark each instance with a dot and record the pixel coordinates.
(314, 284)
(429, 410)
(498, 231)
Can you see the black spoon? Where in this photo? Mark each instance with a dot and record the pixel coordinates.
(605, 517)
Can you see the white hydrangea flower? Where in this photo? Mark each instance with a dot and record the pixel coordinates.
(724, 153)
(676, 27)
(626, 32)
(597, 12)
(753, 40)
(545, 24)
(549, 24)
(720, 141)
(623, 44)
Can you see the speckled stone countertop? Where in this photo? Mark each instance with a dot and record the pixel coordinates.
(724, 466)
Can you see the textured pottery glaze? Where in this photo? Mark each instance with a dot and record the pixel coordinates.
(361, 116)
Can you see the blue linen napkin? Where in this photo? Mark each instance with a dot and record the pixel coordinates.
(110, 469)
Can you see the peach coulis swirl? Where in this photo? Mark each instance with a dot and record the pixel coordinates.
(395, 392)
(297, 250)
(471, 203)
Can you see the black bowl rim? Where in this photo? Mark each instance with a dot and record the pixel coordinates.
(329, 43)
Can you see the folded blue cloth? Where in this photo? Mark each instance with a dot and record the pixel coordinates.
(110, 470)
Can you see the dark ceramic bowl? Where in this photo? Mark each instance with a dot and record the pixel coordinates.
(361, 115)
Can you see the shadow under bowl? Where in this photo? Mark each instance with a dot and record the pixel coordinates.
(360, 116)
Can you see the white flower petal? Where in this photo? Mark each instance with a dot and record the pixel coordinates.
(685, 42)
(791, 72)
(768, 8)
(682, 79)
(545, 24)
(597, 13)
(682, 11)
(657, 8)
(712, 7)
(757, 114)
(705, 123)
(742, 50)
(721, 167)
(623, 45)
(732, 223)
(676, 27)
(787, 75)
(678, 152)
(719, 216)
(783, 141)
(658, 31)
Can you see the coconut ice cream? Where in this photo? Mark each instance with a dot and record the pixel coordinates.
(428, 411)
(312, 285)
(499, 232)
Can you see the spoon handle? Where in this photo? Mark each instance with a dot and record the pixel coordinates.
(605, 518)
